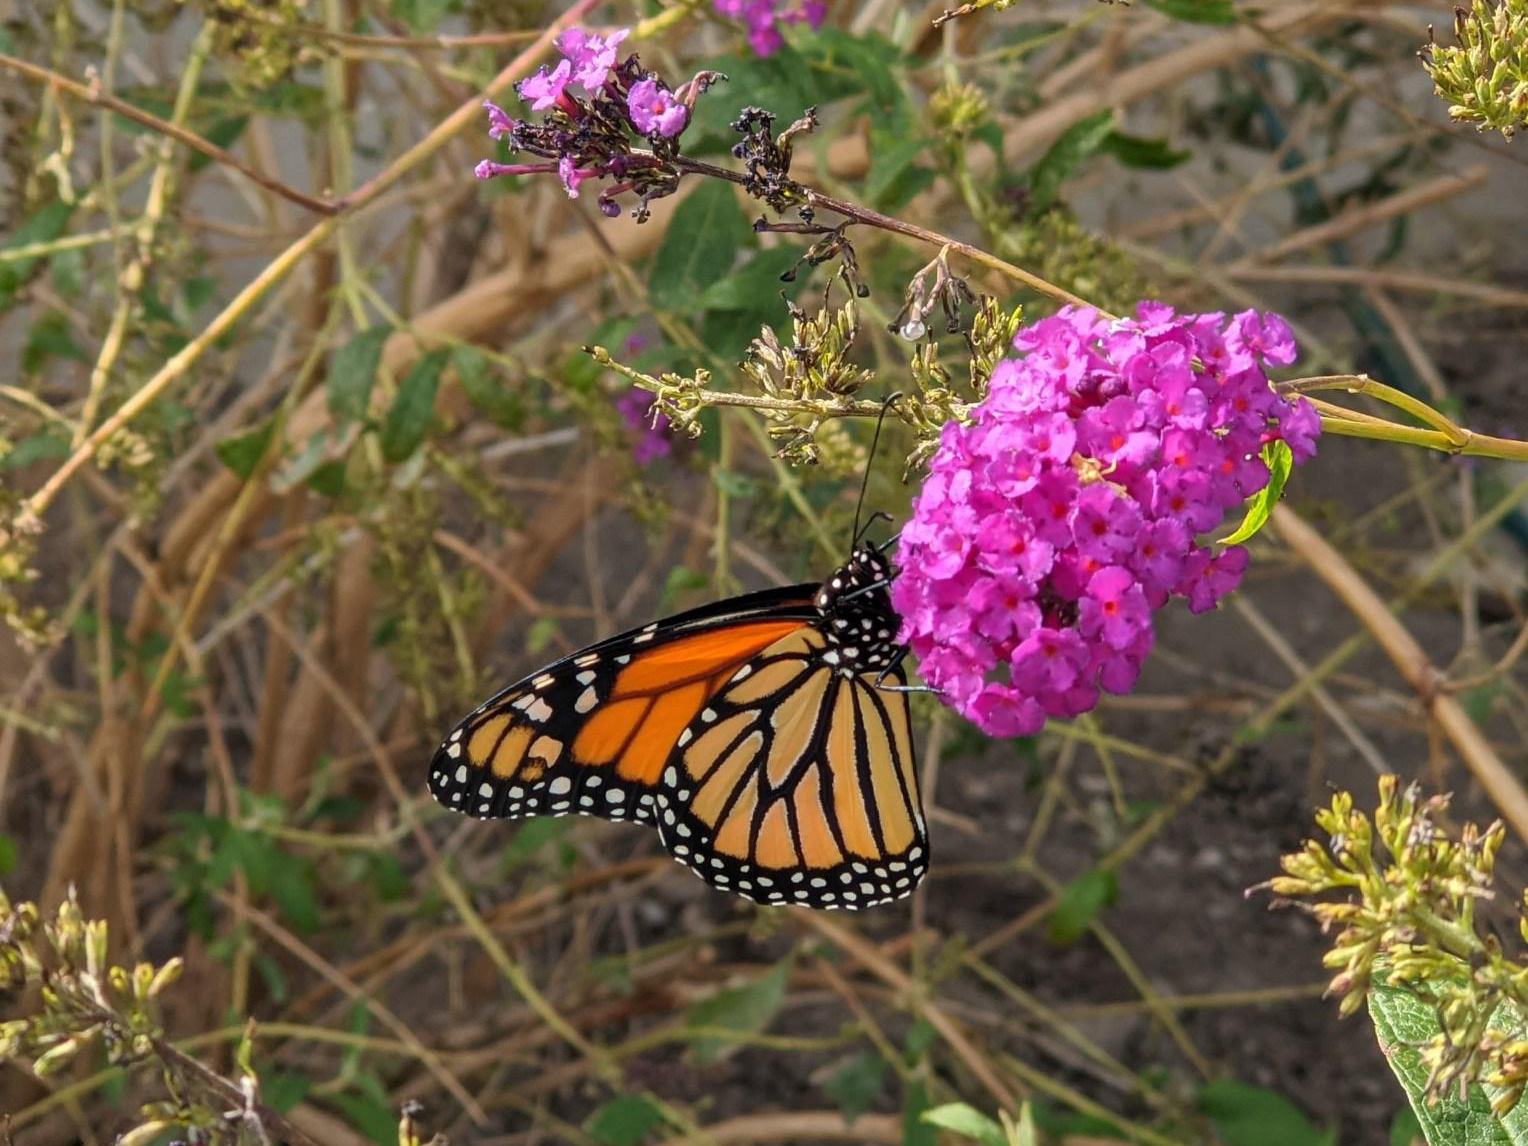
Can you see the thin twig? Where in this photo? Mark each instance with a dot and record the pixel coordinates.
(93, 95)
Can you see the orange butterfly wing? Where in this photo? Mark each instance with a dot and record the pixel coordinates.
(590, 734)
(797, 784)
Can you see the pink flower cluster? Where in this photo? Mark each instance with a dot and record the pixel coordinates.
(764, 18)
(1068, 509)
(590, 138)
(651, 435)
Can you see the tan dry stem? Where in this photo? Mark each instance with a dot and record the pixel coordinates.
(1412, 662)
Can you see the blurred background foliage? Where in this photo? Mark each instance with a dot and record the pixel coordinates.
(300, 458)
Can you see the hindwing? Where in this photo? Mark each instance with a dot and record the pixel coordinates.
(796, 783)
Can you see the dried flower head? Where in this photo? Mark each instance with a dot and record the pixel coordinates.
(815, 372)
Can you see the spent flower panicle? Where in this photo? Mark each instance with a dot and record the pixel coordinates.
(1404, 896)
(815, 369)
(596, 108)
(1066, 508)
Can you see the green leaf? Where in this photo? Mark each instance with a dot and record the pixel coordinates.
(299, 466)
(386, 875)
(624, 1121)
(242, 452)
(1076, 144)
(1477, 702)
(197, 292)
(1196, 11)
(1138, 151)
(916, 1042)
(413, 408)
(485, 388)
(891, 157)
(540, 634)
(372, 1118)
(534, 834)
(733, 484)
(49, 337)
(1252, 1116)
(908, 183)
(968, 1122)
(7, 855)
(1079, 903)
(42, 226)
(579, 371)
(745, 1010)
(857, 1084)
(272, 976)
(756, 285)
(352, 372)
(327, 480)
(915, 1131)
(49, 443)
(1403, 1024)
(680, 580)
(698, 248)
(848, 64)
(1280, 461)
(291, 889)
(281, 1091)
(224, 133)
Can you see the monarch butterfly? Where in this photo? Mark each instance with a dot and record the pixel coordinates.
(757, 734)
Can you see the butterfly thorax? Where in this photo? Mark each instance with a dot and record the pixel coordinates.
(856, 615)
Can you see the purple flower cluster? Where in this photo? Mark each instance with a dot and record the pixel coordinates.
(1068, 509)
(764, 18)
(652, 437)
(590, 138)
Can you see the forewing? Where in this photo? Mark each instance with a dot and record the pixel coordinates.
(795, 784)
(590, 733)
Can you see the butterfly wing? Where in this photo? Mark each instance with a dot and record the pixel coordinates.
(795, 784)
(590, 733)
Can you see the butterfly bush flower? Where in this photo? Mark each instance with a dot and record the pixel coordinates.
(763, 19)
(652, 437)
(595, 136)
(654, 111)
(1068, 509)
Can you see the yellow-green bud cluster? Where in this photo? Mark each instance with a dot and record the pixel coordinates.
(1484, 76)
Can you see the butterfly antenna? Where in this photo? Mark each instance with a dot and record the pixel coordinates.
(891, 400)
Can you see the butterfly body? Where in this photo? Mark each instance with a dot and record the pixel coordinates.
(754, 733)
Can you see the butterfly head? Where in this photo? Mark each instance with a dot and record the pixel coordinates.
(856, 614)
